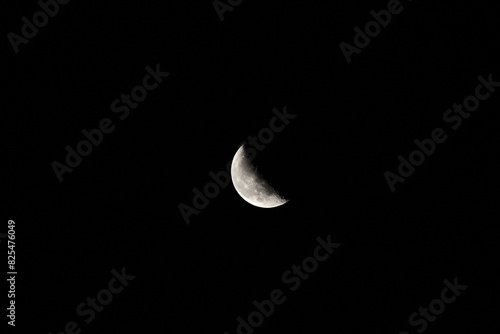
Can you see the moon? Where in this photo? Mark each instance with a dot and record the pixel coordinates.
(251, 185)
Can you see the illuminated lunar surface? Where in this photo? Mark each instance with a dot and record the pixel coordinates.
(251, 186)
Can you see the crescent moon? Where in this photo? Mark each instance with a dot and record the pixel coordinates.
(250, 184)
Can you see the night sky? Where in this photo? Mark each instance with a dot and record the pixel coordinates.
(212, 84)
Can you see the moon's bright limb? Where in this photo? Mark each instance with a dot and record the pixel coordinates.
(251, 186)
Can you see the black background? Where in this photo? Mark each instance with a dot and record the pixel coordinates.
(119, 208)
